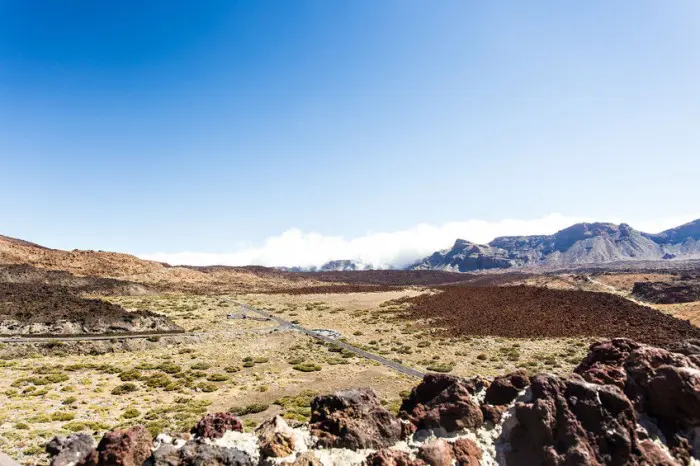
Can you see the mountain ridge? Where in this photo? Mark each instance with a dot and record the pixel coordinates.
(578, 244)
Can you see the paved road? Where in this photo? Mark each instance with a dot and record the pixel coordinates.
(360, 352)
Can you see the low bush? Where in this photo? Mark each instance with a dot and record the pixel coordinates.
(124, 388)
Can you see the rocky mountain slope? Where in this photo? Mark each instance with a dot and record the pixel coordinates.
(580, 244)
(627, 403)
(128, 268)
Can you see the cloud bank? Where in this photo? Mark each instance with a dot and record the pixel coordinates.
(396, 249)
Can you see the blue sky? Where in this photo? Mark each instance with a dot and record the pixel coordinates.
(216, 126)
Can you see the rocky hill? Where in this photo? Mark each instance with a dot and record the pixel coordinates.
(627, 403)
(580, 244)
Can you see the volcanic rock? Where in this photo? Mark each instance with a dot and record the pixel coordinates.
(130, 447)
(76, 450)
(196, 453)
(387, 457)
(215, 425)
(493, 413)
(354, 419)
(275, 438)
(441, 401)
(466, 452)
(505, 389)
(574, 422)
(436, 453)
(306, 459)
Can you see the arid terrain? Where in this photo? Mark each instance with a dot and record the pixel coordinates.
(228, 359)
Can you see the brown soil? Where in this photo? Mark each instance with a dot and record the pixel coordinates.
(526, 312)
(48, 304)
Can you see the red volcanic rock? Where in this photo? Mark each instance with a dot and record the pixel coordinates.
(466, 452)
(505, 389)
(493, 413)
(387, 457)
(130, 447)
(574, 422)
(436, 453)
(441, 401)
(354, 419)
(214, 425)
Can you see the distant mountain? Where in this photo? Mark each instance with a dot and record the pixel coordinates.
(583, 243)
(344, 265)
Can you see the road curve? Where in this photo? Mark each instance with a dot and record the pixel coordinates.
(360, 352)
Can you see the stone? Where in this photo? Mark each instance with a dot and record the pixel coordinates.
(436, 453)
(466, 452)
(306, 459)
(388, 457)
(214, 425)
(570, 421)
(167, 455)
(505, 389)
(275, 438)
(441, 401)
(354, 419)
(76, 450)
(197, 453)
(492, 413)
(125, 447)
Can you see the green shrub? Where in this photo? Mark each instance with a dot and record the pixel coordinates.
(307, 367)
(440, 367)
(130, 375)
(200, 366)
(157, 381)
(62, 416)
(124, 388)
(217, 378)
(170, 368)
(253, 408)
(482, 357)
(260, 360)
(131, 413)
(70, 400)
(248, 364)
(207, 387)
(232, 369)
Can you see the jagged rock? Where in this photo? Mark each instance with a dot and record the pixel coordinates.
(306, 459)
(441, 401)
(574, 422)
(125, 447)
(354, 419)
(166, 455)
(387, 457)
(275, 438)
(664, 384)
(493, 413)
(76, 450)
(505, 389)
(466, 452)
(214, 425)
(436, 453)
(197, 453)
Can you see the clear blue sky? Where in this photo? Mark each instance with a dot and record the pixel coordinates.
(149, 126)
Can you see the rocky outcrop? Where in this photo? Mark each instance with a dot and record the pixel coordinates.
(627, 404)
(574, 422)
(354, 419)
(216, 424)
(661, 383)
(442, 401)
(78, 449)
(504, 389)
(276, 438)
(684, 291)
(130, 447)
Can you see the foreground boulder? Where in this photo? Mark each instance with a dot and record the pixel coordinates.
(125, 447)
(78, 449)
(573, 422)
(442, 401)
(215, 425)
(354, 419)
(275, 438)
(387, 457)
(505, 389)
(661, 383)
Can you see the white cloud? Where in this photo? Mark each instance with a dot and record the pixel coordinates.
(297, 248)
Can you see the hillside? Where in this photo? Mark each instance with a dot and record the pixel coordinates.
(580, 244)
(128, 268)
